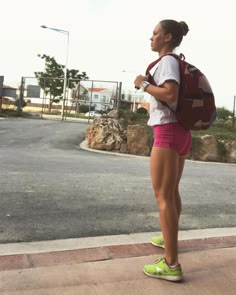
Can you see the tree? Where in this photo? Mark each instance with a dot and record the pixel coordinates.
(223, 113)
(52, 80)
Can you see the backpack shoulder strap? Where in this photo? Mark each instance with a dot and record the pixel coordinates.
(177, 56)
(180, 58)
(152, 65)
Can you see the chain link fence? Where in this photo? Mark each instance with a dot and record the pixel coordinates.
(82, 97)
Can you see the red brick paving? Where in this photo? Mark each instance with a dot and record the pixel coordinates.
(21, 261)
(9, 262)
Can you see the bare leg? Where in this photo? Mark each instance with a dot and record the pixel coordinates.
(177, 195)
(165, 168)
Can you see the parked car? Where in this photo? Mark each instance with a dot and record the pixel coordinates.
(93, 114)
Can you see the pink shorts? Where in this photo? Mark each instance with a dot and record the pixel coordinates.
(174, 136)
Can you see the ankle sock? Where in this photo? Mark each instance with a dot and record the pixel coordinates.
(172, 266)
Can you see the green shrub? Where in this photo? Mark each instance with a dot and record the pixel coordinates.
(221, 149)
(142, 111)
(16, 103)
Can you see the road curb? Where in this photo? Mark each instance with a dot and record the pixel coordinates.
(23, 261)
(84, 146)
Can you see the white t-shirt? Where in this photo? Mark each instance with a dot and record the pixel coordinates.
(166, 69)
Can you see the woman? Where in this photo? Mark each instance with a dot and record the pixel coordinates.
(171, 145)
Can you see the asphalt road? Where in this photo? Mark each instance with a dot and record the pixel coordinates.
(50, 188)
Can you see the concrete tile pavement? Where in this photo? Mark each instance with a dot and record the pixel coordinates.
(209, 265)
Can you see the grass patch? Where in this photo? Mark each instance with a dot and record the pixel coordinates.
(221, 133)
(220, 130)
(9, 113)
(14, 114)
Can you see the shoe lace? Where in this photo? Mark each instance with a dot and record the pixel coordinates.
(160, 259)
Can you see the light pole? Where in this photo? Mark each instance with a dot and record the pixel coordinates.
(234, 111)
(67, 33)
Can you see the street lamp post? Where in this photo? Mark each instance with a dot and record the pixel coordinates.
(67, 33)
(234, 111)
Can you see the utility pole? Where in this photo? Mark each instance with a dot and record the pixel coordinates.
(234, 112)
(1, 88)
(67, 33)
(21, 96)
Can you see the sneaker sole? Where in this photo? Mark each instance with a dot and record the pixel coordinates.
(157, 245)
(167, 278)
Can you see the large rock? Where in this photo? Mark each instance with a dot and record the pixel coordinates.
(114, 114)
(209, 148)
(205, 148)
(137, 140)
(112, 134)
(107, 134)
(231, 152)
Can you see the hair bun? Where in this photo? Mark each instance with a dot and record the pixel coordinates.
(184, 27)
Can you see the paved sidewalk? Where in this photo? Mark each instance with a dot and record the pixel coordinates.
(209, 265)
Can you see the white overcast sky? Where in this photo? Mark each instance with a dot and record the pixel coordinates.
(108, 37)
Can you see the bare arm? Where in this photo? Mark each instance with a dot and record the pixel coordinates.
(168, 92)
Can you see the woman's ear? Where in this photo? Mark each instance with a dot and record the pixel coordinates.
(168, 37)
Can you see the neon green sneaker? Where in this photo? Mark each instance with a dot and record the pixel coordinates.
(158, 241)
(160, 270)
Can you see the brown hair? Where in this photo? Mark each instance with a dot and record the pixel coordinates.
(176, 29)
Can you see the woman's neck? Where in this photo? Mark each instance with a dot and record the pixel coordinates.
(165, 51)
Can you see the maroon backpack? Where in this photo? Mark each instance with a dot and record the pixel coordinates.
(196, 108)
